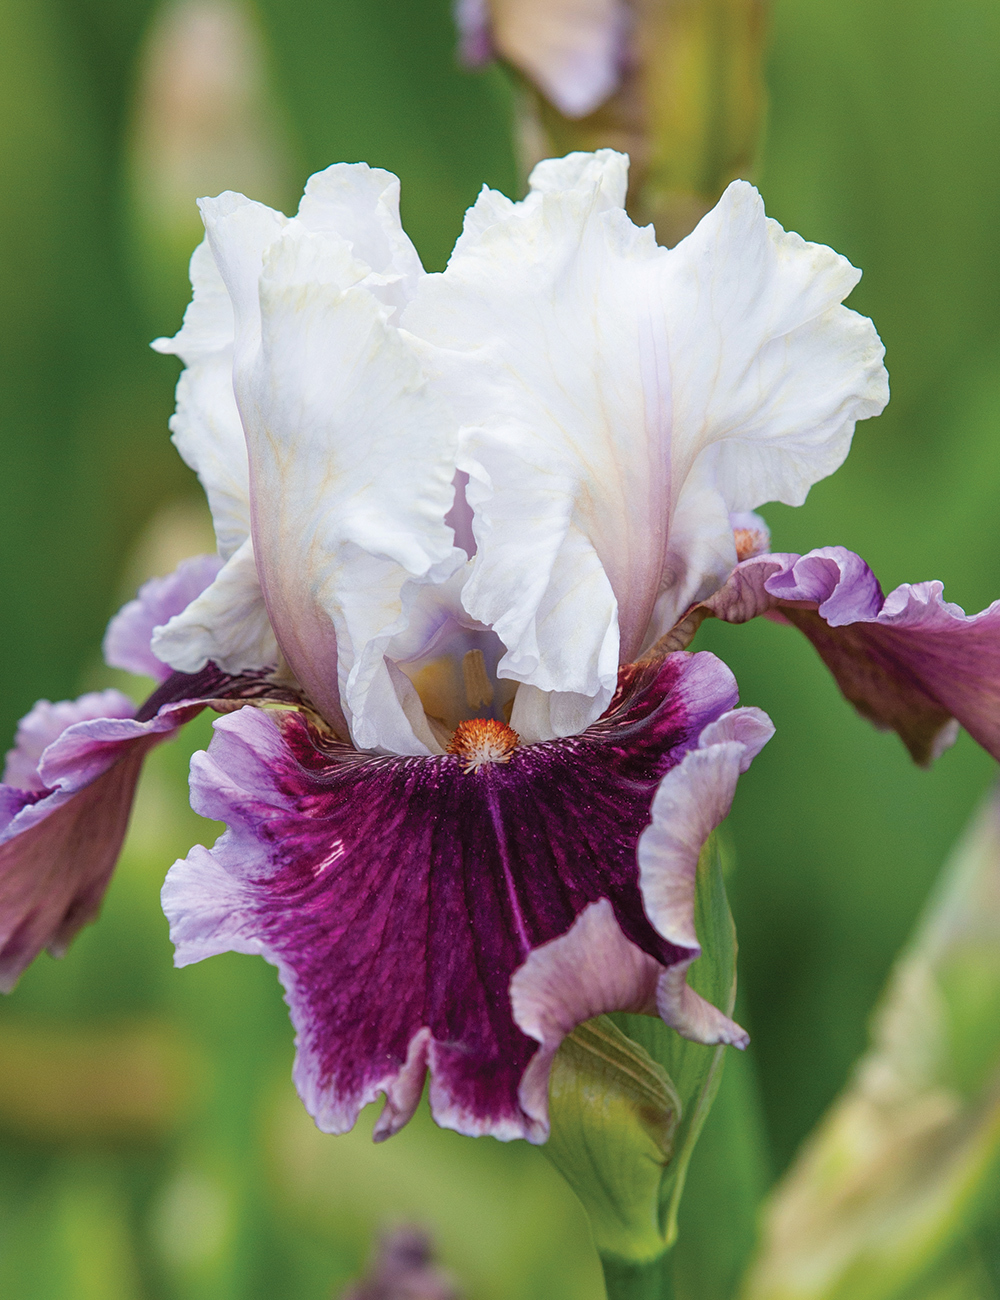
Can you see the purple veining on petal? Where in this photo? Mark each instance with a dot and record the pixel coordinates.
(910, 661)
(65, 804)
(398, 896)
(126, 642)
(211, 684)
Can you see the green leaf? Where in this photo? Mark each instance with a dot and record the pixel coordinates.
(893, 1196)
(628, 1098)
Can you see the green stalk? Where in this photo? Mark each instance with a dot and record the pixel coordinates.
(626, 1281)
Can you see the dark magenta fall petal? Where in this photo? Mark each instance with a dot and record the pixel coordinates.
(399, 896)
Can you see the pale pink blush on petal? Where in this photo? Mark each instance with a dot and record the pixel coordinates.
(688, 1012)
(573, 50)
(693, 799)
(590, 970)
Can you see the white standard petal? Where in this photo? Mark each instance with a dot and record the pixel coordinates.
(227, 624)
(361, 205)
(206, 426)
(620, 400)
(351, 455)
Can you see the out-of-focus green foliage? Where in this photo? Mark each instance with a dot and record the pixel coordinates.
(380, 84)
(888, 1197)
(883, 140)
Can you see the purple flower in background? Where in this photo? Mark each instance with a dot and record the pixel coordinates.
(466, 523)
(574, 50)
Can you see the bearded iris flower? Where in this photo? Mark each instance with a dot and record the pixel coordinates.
(467, 524)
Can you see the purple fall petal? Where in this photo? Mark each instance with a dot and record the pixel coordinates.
(126, 642)
(593, 967)
(46, 722)
(399, 897)
(54, 871)
(65, 803)
(62, 824)
(910, 661)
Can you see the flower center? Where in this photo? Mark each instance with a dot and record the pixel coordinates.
(455, 677)
(749, 542)
(483, 740)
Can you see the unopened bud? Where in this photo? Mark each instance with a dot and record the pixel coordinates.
(676, 84)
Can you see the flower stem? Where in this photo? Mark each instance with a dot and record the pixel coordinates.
(627, 1281)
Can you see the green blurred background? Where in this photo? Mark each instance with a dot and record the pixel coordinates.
(151, 1143)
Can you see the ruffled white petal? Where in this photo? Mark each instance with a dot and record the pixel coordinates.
(227, 624)
(208, 320)
(206, 425)
(351, 455)
(360, 204)
(621, 400)
(350, 459)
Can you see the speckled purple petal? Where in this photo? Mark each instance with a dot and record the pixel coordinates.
(126, 642)
(65, 803)
(398, 896)
(910, 661)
